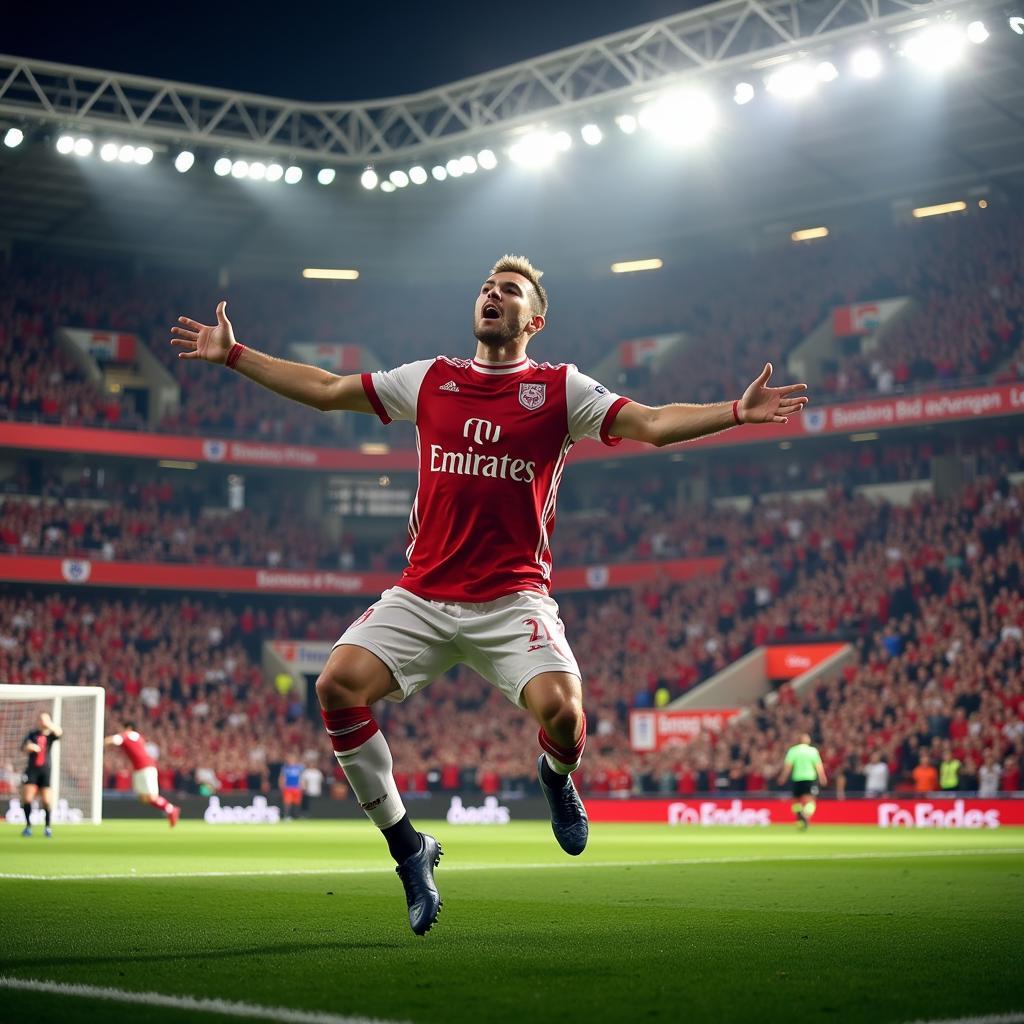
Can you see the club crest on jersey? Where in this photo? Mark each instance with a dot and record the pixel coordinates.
(532, 396)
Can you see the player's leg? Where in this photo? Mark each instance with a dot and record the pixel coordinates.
(147, 785)
(46, 800)
(810, 804)
(28, 794)
(518, 644)
(555, 699)
(397, 647)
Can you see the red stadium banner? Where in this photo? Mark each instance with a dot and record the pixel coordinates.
(876, 414)
(652, 730)
(104, 346)
(941, 812)
(166, 576)
(337, 358)
(792, 660)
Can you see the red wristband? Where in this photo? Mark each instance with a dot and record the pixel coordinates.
(736, 412)
(238, 348)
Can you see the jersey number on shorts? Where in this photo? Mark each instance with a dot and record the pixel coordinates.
(541, 637)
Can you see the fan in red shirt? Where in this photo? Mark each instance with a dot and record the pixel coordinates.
(144, 774)
(493, 434)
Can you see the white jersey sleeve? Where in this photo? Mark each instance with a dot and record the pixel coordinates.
(394, 393)
(592, 407)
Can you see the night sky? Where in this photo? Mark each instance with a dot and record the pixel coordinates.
(314, 51)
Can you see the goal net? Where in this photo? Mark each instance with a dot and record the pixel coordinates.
(77, 760)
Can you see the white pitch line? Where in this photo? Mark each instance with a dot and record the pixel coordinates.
(520, 866)
(192, 1005)
(1014, 1017)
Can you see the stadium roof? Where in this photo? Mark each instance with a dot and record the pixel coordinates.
(922, 137)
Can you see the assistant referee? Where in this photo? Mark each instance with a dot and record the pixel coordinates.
(803, 765)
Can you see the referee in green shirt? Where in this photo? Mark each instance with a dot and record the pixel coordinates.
(803, 765)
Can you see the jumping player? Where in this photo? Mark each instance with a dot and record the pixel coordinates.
(494, 432)
(803, 764)
(38, 744)
(144, 777)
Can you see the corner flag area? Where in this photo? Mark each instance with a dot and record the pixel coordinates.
(302, 923)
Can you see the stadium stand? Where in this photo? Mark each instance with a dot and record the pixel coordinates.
(930, 593)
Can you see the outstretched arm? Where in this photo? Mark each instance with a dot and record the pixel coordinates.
(667, 424)
(215, 343)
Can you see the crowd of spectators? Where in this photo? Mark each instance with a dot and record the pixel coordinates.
(930, 594)
(964, 277)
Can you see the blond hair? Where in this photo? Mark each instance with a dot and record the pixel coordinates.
(510, 264)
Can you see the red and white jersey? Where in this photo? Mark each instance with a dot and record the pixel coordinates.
(134, 746)
(492, 441)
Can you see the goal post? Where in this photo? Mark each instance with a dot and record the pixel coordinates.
(77, 760)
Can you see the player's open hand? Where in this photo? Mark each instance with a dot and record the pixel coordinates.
(203, 341)
(762, 404)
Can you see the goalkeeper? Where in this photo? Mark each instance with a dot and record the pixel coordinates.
(38, 744)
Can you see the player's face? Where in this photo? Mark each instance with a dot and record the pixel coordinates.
(504, 310)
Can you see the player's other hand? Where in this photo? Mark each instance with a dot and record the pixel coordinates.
(762, 404)
(204, 341)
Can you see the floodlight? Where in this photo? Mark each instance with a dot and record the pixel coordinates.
(368, 179)
(438, 173)
(83, 147)
(454, 168)
(866, 62)
(936, 48)
(792, 82)
(143, 155)
(183, 161)
(826, 71)
(743, 93)
(293, 175)
(626, 123)
(257, 171)
(222, 167)
(417, 175)
(486, 159)
(386, 186)
(399, 179)
(563, 141)
(326, 175)
(1016, 22)
(468, 164)
(13, 137)
(537, 149)
(591, 134)
(977, 32)
(275, 172)
(680, 118)
(108, 152)
(240, 169)
(126, 154)
(65, 145)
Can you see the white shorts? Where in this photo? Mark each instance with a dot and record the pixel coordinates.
(508, 641)
(145, 782)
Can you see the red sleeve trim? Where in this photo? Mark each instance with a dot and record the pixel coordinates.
(371, 394)
(609, 419)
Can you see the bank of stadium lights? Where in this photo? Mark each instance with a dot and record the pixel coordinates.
(539, 149)
(680, 118)
(936, 48)
(742, 94)
(866, 62)
(13, 138)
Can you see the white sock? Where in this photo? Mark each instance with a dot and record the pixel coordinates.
(368, 769)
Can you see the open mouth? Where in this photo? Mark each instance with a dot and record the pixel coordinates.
(491, 312)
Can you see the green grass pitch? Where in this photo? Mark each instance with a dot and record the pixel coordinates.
(652, 923)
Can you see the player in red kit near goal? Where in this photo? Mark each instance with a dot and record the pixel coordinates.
(144, 776)
(493, 435)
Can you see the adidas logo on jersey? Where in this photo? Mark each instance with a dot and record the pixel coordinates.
(450, 386)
